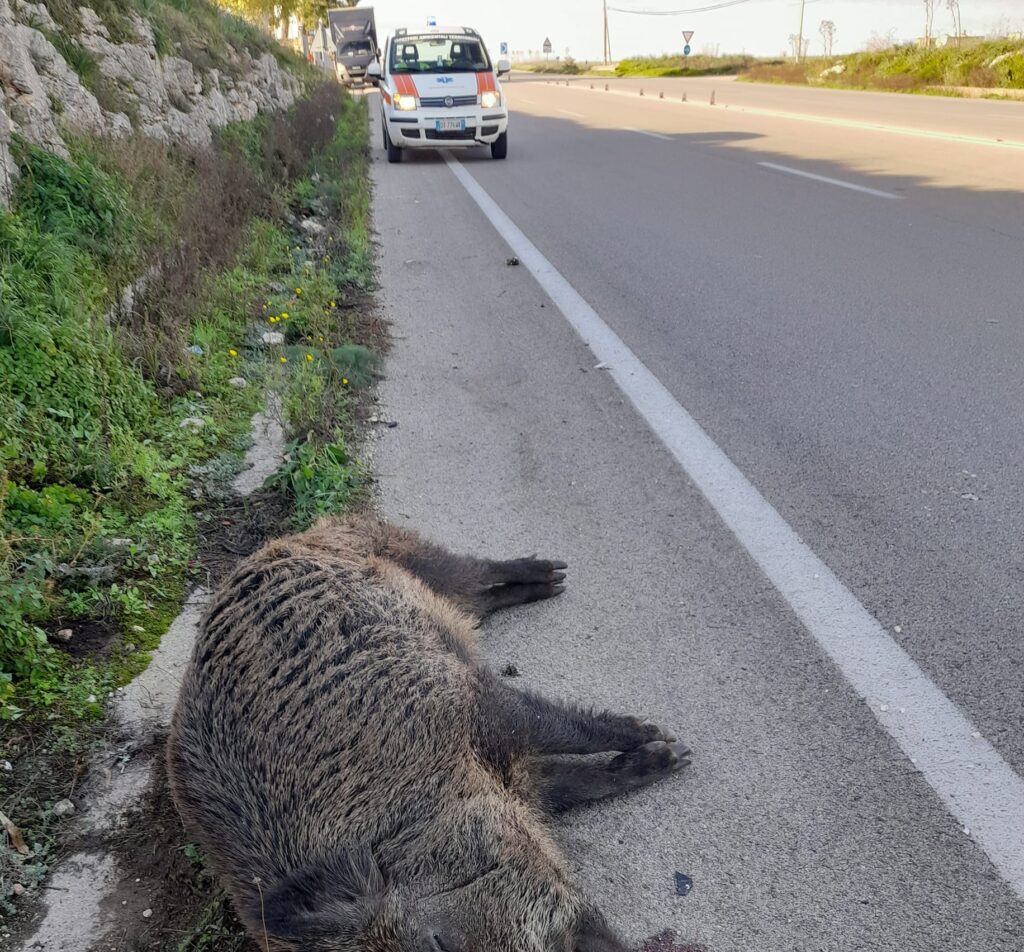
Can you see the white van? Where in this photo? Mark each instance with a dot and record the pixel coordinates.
(439, 89)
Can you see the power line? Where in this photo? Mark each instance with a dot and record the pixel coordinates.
(676, 13)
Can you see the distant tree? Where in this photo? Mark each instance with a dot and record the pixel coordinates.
(798, 49)
(308, 12)
(953, 6)
(827, 29)
(1004, 26)
(929, 20)
(879, 41)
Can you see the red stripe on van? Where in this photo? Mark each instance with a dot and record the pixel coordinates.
(405, 85)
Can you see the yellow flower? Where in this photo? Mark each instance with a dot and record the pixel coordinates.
(344, 381)
(283, 360)
(334, 303)
(284, 317)
(320, 339)
(309, 358)
(284, 314)
(232, 353)
(298, 291)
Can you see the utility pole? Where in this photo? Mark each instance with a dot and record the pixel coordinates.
(800, 35)
(607, 38)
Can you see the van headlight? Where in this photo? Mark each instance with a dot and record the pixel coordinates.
(489, 99)
(405, 103)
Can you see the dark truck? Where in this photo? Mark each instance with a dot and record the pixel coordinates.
(354, 34)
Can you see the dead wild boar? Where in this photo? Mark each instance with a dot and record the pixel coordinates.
(357, 777)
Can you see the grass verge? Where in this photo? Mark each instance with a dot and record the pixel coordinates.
(995, 65)
(120, 429)
(683, 65)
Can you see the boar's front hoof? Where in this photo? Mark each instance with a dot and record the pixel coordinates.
(653, 760)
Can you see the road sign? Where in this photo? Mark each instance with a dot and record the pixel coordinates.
(432, 23)
(504, 49)
(547, 45)
(687, 36)
(686, 50)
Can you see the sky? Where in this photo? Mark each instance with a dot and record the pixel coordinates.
(761, 27)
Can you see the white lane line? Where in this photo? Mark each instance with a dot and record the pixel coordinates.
(829, 181)
(979, 788)
(644, 132)
(568, 112)
(532, 102)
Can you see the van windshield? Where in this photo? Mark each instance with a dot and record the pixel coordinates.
(439, 53)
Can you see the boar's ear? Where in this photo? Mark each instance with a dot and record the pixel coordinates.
(593, 935)
(328, 897)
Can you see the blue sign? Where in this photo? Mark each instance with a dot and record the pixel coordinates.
(686, 50)
(504, 49)
(432, 23)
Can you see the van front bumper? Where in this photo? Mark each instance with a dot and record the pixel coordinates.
(418, 129)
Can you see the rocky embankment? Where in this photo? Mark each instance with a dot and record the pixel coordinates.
(44, 97)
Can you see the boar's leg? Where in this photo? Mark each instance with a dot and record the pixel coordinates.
(563, 785)
(480, 586)
(512, 720)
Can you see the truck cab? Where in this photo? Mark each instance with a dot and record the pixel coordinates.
(440, 89)
(353, 32)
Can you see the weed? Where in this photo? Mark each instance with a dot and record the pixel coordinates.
(323, 478)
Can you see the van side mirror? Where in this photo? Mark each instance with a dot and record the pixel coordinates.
(373, 72)
(504, 67)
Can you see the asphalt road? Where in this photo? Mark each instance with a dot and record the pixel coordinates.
(857, 354)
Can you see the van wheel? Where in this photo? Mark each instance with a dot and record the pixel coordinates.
(499, 147)
(394, 153)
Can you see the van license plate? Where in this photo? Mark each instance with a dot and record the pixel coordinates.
(449, 125)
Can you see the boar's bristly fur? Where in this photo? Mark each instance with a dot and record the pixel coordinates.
(360, 781)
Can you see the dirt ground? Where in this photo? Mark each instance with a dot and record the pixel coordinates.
(163, 876)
